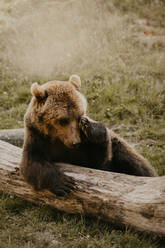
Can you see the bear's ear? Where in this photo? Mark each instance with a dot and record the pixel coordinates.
(76, 81)
(37, 91)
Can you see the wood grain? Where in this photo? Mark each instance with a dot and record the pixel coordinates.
(117, 198)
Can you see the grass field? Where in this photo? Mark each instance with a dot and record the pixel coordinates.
(118, 49)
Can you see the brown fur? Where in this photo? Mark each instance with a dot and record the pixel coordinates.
(58, 130)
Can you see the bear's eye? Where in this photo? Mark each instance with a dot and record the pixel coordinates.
(63, 121)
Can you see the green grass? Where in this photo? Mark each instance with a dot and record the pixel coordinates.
(125, 88)
(14, 97)
(26, 225)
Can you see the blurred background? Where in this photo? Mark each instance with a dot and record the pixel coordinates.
(51, 38)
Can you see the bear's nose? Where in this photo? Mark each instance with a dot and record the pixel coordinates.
(76, 145)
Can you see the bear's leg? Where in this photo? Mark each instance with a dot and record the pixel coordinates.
(47, 176)
(95, 132)
(38, 171)
(97, 142)
(126, 160)
(112, 153)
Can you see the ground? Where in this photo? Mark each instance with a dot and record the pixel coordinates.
(123, 78)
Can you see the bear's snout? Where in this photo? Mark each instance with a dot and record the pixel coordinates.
(75, 145)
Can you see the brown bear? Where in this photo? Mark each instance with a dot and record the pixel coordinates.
(58, 130)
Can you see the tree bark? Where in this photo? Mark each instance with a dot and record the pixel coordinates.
(117, 198)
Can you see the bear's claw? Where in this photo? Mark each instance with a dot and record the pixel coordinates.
(85, 126)
(64, 186)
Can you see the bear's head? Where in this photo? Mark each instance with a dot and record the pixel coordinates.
(55, 110)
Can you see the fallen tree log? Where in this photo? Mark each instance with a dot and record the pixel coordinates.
(118, 198)
(13, 136)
